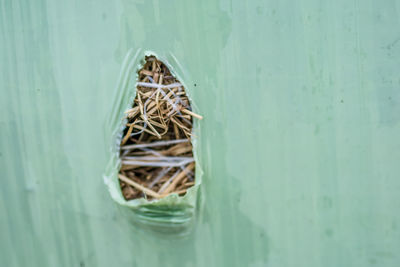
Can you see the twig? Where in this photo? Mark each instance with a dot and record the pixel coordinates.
(138, 186)
(192, 114)
(178, 178)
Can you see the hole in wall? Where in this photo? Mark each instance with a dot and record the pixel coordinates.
(156, 151)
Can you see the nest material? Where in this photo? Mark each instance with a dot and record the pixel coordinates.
(156, 152)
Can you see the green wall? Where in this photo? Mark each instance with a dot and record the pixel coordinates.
(299, 146)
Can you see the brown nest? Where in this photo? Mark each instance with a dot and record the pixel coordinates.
(156, 152)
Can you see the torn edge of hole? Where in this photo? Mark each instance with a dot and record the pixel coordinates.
(181, 209)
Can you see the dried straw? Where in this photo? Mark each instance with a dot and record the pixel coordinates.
(156, 152)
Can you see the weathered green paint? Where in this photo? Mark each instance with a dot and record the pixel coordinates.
(300, 143)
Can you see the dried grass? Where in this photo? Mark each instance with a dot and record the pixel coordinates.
(156, 152)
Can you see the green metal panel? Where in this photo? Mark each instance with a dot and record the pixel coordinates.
(299, 144)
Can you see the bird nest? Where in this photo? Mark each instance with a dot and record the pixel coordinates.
(156, 150)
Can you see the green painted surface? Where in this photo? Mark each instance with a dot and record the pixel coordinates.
(300, 143)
